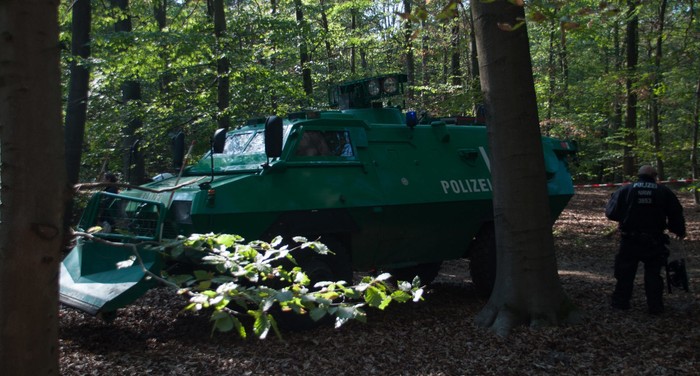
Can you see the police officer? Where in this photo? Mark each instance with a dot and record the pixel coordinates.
(644, 210)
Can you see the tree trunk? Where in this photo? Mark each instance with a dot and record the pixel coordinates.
(33, 189)
(564, 61)
(616, 121)
(694, 153)
(628, 162)
(409, 57)
(132, 159)
(160, 8)
(304, 59)
(475, 85)
(658, 80)
(424, 53)
(76, 108)
(327, 40)
(527, 289)
(352, 46)
(77, 88)
(455, 68)
(551, 70)
(222, 67)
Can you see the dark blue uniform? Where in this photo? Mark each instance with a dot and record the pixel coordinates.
(644, 210)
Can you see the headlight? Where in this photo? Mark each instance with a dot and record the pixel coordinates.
(181, 211)
(390, 85)
(373, 88)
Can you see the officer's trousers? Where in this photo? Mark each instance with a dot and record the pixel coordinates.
(650, 251)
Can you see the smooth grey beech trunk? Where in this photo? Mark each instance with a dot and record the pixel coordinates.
(527, 289)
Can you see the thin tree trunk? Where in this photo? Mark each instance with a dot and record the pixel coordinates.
(564, 61)
(353, 58)
(424, 53)
(160, 14)
(658, 81)
(222, 67)
(304, 59)
(527, 289)
(694, 153)
(76, 108)
(631, 120)
(616, 121)
(409, 56)
(327, 41)
(455, 68)
(132, 158)
(33, 187)
(552, 75)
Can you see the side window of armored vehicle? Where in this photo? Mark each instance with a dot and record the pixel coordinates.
(325, 143)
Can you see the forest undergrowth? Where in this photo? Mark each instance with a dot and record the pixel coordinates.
(433, 337)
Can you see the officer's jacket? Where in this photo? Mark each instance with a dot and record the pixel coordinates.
(646, 207)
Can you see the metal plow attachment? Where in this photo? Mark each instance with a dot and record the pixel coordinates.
(95, 280)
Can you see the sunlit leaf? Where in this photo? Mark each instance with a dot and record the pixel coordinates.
(374, 297)
(94, 229)
(383, 277)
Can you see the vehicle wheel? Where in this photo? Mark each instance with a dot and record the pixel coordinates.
(318, 268)
(482, 260)
(426, 272)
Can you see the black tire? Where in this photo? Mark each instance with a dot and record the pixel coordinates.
(318, 268)
(482, 260)
(426, 272)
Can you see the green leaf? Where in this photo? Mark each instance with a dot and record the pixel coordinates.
(203, 285)
(177, 251)
(383, 277)
(374, 297)
(240, 329)
(262, 325)
(202, 275)
(284, 296)
(385, 303)
(418, 295)
(223, 322)
(300, 239)
(318, 313)
(276, 241)
(401, 296)
(180, 279)
(228, 240)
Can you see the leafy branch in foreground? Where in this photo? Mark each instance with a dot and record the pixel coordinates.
(249, 279)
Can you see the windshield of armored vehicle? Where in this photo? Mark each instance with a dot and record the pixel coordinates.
(246, 142)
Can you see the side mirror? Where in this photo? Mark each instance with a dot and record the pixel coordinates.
(219, 141)
(178, 149)
(273, 136)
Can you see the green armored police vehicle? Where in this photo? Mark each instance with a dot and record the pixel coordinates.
(383, 189)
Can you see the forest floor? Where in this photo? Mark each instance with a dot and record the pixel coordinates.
(433, 337)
